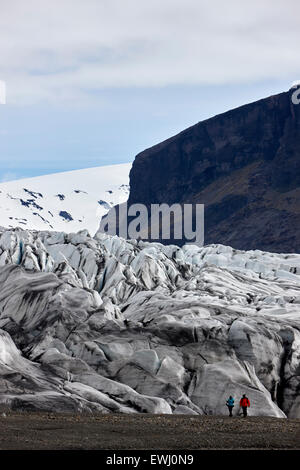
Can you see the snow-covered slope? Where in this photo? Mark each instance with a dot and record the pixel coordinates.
(104, 324)
(68, 201)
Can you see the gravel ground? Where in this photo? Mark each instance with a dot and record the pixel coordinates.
(37, 431)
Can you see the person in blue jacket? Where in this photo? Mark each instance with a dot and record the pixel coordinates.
(230, 405)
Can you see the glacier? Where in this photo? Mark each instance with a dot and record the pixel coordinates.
(103, 324)
(68, 201)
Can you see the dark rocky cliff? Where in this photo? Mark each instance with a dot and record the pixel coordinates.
(243, 165)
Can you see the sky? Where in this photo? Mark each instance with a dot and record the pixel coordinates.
(94, 82)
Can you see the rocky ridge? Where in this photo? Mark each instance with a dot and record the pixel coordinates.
(243, 165)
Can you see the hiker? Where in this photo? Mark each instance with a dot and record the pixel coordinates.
(244, 403)
(230, 405)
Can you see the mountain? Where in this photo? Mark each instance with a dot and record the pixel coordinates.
(70, 201)
(243, 165)
(108, 325)
(103, 324)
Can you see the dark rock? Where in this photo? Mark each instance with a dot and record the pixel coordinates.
(243, 165)
(65, 215)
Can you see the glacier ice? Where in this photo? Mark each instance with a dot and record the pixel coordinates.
(67, 201)
(112, 325)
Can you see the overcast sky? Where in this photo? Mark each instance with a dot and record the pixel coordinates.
(92, 82)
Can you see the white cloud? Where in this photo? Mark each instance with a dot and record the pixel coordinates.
(60, 50)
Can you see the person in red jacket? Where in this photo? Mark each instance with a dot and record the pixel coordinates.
(244, 403)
